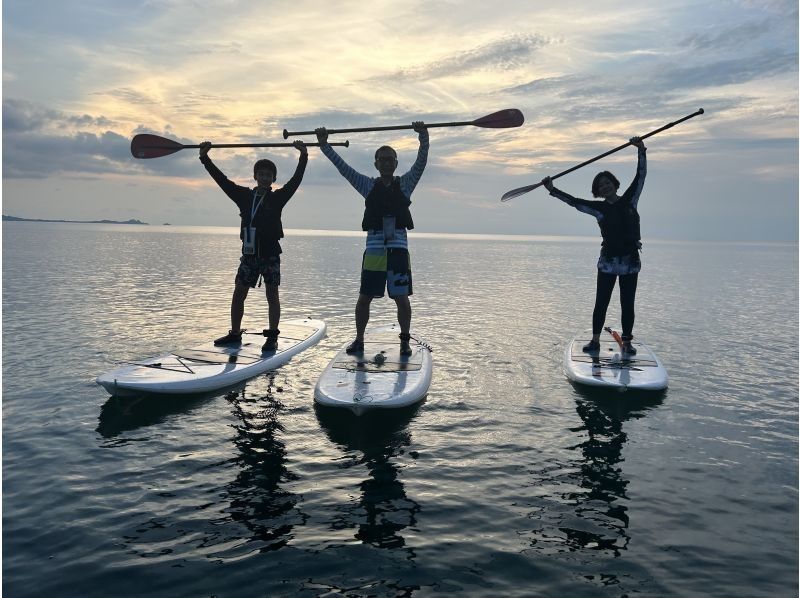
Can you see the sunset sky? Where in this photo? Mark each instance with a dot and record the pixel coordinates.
(80, 79)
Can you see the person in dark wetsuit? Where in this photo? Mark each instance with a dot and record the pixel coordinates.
(618, 218)
(260, 209)
(386, 263)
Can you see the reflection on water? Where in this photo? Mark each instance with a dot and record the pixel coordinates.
(585, 504)
(602, 499)
(256, 496)
(124, 414)
(373, 440)
(524, 485)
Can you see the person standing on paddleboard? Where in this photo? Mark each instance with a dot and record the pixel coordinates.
(618, 218)
(387, 218)
(261, 228)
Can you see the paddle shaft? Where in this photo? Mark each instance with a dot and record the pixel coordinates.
(624, 145)
(213, 145)
(145, 146)
(287, 134)
(603, 155)
(502, 119)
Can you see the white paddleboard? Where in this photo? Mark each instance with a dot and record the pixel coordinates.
(378, 378)
(208, 367)
(611, 368)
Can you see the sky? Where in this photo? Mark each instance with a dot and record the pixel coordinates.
(80, 79)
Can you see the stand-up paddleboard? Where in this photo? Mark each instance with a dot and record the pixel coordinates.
(610, 367)
(378, 378)
(208, 367)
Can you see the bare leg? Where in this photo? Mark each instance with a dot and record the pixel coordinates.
(362, 315)
(403, 313)
(274, 303)
(237, 306)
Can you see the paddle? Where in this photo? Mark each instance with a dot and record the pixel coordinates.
(146, 146)
(504, 119)
(522, 190)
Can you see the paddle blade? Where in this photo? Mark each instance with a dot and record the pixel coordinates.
(504, 119)
(517, 192)
(145, 146)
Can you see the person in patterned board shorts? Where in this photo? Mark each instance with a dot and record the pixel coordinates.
(386, 264)
(618, 218)
(261, 228)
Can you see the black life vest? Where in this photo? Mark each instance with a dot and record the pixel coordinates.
(386, 201)
(620, 228)
(267, 220)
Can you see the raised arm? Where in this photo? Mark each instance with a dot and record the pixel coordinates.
(360, 182)
(230, 188)
(293, 183)
(635, 188)
(410, 179)
(582, 205)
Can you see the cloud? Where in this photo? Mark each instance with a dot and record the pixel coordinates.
(503, 54)
(19, 115)
(725, 72)
(652, 88)
(129, 96)
(38, 155)
(732, 37)
(42, 142)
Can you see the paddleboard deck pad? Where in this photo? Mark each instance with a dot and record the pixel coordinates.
(379, 377)
(610, 367)
(208, 367)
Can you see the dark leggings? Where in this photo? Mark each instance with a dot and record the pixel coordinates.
(627, 297)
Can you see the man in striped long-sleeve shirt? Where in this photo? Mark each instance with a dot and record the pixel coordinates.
(387, 218)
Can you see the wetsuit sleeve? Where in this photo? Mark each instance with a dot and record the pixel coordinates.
(285, 193)
(360, 182)
(635, 189)
(582, 205)
(236, 192)
(409, 180)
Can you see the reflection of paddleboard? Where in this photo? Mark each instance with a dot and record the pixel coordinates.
(610, 367)
(207, 367)
(378, 378)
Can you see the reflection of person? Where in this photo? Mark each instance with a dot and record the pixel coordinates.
(384, 509)
(603, 504)
(257, 496)
(387, 217)
(261, 228)
(619, 256)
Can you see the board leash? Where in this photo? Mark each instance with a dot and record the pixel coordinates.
(422, 343)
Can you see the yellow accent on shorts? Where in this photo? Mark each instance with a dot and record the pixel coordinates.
(375, 260)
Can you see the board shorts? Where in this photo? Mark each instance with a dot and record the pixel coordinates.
(620, 264)
(386, 269)
(252, 267)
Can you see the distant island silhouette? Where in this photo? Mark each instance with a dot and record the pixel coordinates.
(131, 221)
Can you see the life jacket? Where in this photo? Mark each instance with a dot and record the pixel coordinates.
(267, 221)
(386, 201)
(620, 228)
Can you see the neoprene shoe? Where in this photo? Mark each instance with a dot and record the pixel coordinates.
(591, 347)
(271, 344)
(231, 338)
(627, 347)
(356, 346)
(405, 345)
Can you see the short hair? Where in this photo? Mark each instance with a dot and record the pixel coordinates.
(265, 164)
(609, 176)
(385, 147)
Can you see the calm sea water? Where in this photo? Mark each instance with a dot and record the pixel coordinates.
(506, 481)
